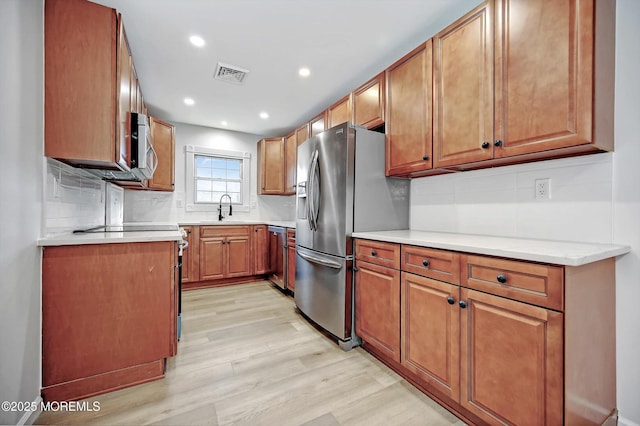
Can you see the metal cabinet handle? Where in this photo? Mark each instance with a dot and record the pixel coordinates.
(502, 278)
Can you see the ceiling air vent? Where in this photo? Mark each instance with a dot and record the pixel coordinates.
(230, 73)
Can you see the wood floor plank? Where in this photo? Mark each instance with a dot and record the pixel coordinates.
(246, 357)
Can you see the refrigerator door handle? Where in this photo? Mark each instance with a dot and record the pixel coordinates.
(319, 260)
(308, 189)
(312, 195)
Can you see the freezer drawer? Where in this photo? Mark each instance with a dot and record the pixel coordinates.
(324, 290)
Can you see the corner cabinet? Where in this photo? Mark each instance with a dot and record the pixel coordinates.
(498, 341)
(408, 127)
(164, 142)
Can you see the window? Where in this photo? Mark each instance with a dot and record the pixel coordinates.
(212, 173)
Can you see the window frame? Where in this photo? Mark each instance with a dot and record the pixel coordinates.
(191, 152)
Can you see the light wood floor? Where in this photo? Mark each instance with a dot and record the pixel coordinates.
(247, 358)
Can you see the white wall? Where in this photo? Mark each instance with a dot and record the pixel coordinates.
(626, 211)
(21, 174)
(594, 198)
(141, 206)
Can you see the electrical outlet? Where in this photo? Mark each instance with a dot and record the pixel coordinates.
(543, 189)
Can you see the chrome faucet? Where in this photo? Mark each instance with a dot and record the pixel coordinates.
(220, 206)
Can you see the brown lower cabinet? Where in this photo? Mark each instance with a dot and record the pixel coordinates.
(511, 343)
(108, 316)
(291, 260)
(225, 252)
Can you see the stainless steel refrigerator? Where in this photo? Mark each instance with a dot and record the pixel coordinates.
(341, 188)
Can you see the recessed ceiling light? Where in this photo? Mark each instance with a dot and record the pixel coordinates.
(264, 115)
(189, 101)
(304, 72)
(196, 40)
(224, 123)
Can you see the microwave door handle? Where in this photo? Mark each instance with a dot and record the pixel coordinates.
(155, 155)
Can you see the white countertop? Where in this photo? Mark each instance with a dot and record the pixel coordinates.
(545, 251)
(70, 239)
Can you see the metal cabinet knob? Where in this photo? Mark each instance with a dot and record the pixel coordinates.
(497, 142)
(485, 145)
(373, 252)
(462, 304)
(502, 278)
(425, 263)
(425, 157)
(451, 300)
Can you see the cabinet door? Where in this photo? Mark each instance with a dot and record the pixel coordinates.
(431, 332)
(290, 159)
(368, 103)
(463, 90)
(511, 360)
(318, 124)
(340, 112)
(81, 79)
(212, 258)
(260, 250)
(378, 307)
(302, 133)
(271, 166)
(544, 75)
(409, 113)
(164, 143)
(238, 256)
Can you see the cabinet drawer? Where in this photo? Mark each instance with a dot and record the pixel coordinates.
(291, 237)
(223, 231)
(384, 254)
(438, 264)
(541, 285)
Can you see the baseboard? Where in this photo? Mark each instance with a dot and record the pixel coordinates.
(30, 416)
(625, 422)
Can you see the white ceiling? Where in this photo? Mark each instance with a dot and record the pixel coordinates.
(343, 42)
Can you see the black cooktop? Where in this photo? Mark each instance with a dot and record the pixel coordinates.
(127, 228)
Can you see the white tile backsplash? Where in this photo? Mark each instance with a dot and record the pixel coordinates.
(500, 201)
(73, 198)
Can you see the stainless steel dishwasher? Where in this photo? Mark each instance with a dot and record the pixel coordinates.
(278, 256)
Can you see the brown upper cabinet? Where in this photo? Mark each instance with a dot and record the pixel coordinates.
(87, 36)
(340, 112)
(89, 78)
(463, 90)
(271, 169)
(368, 103)
(408, 127)
(302, 133)
(290, 163)
(553, 77)
(164, 142)
(318, 124)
